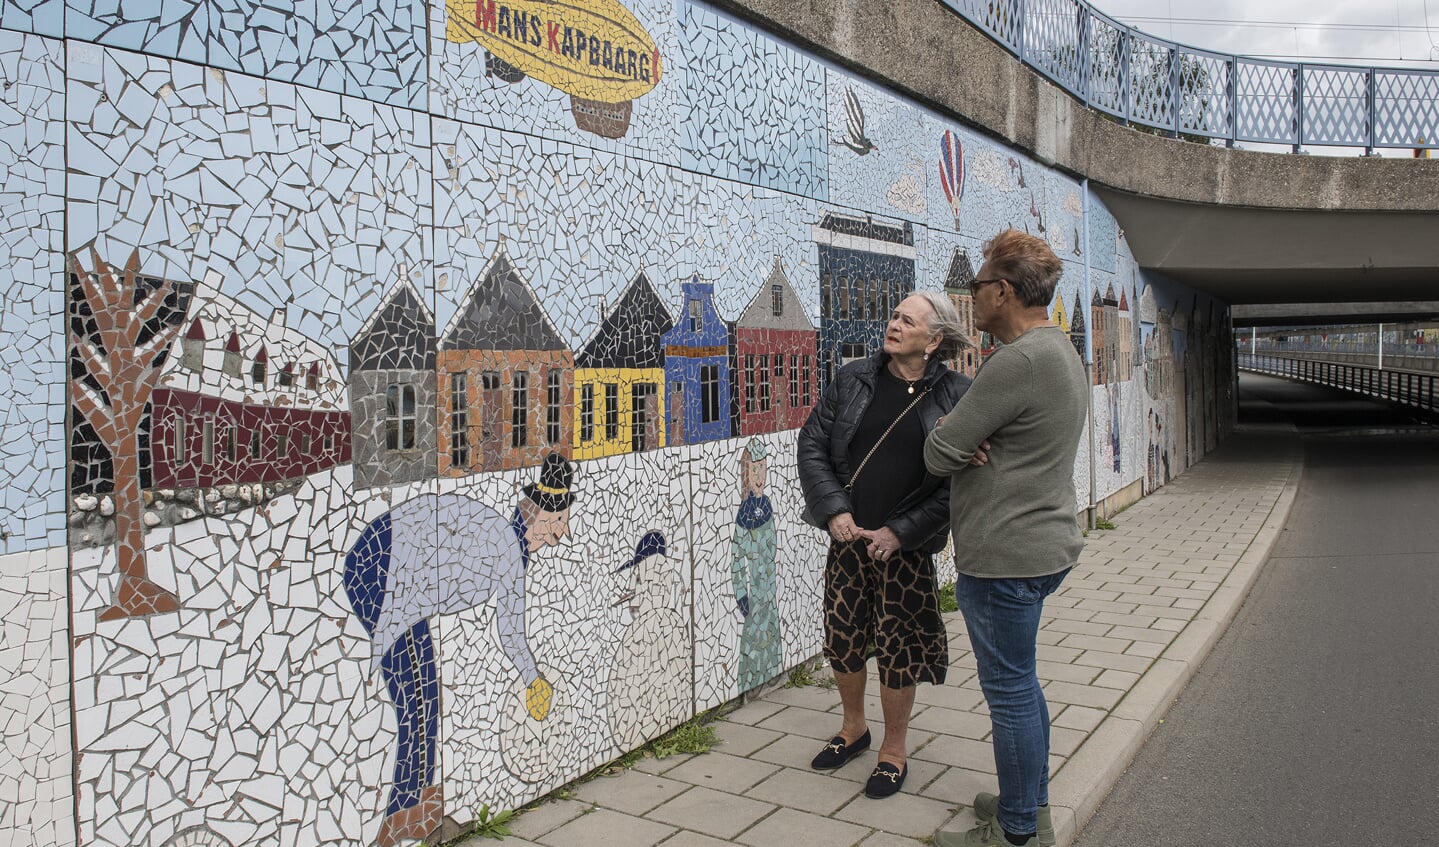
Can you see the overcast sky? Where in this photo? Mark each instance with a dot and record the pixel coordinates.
(1365, 32)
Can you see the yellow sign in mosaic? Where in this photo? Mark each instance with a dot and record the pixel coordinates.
(592, 49)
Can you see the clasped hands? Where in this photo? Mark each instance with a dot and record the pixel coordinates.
(879, 543)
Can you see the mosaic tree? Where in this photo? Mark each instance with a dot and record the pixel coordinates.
(119, 361)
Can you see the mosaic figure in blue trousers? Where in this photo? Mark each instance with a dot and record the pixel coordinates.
(441, 554)
(752, 573)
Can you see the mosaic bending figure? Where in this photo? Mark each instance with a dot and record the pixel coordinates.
(752, 573)
(442, 554)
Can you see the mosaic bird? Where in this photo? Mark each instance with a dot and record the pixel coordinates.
(855, 139)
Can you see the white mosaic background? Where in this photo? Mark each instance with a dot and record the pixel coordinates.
(293, 160)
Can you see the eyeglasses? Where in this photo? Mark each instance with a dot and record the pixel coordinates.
(976, 283)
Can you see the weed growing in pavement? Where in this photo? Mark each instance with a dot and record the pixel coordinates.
(947, 603)
(692, 736)
(801, 677)
(1103, 523)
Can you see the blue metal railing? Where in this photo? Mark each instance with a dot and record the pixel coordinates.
(1141, 79)
(1408, 388)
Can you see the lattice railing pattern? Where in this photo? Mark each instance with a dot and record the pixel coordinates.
(1264, 102)
(1204, 93)
(1054, 40)
(1133, 76)
(1406, 107)
(1336, 105)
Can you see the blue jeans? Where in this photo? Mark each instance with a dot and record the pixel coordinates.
(1002, 616)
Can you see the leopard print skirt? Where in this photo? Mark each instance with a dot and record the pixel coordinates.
(889, 610)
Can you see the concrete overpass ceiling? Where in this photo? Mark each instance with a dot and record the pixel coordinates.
(1246, 255)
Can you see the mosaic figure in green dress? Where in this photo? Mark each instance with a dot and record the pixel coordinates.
(752, 572)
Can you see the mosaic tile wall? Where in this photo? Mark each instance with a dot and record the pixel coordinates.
(427, 379)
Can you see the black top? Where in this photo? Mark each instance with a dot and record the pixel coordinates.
(897, 467)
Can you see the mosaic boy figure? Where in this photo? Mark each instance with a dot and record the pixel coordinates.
(441, 554)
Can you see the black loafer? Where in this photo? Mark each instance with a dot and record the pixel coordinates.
(886, 780)
(836, 752)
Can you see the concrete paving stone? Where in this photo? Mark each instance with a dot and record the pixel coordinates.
(1096, 642)
(1146, 649)
(1204, 584)
(739, 739)
(964, 724)
(1182, 593)
(547, 816)
(1164, 582)
(649, 764)
(900, 814)
(1114, 619)
(1068, 673)
(791, 751)
(1082, 718)
(950, 695)
(1107, 606)
(1123, 680)
(1100, 659)
(1063, 741)
(1082, 695)
(889, 839)
(1051, 653)
(957, 786)
(1167, 612)
(1090, 594)
(801, 829)
(1188, 603)
(810, 791)
(954, 751)
(809, 697)
(1063, 613)
(1059, 599)
(606, 828)
(753, 712)
(722, 772)
(1134, 601)
(1136, 633)
(1049, 637)
(632, 792)
(711, 812)
(685, 838)
(1167, 625)
(1081, 627)
(800, 721)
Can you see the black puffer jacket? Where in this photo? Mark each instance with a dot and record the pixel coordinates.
(920, 519)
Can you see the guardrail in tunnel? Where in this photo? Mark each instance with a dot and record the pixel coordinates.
(1138, 78)
(1408, 388)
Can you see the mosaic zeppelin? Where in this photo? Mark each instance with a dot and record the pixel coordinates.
(388, 438)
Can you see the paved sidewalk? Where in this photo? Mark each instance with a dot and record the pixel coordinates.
(1119, 641)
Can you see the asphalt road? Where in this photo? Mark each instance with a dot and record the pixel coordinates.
(1315, 720)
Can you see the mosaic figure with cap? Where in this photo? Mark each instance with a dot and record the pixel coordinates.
(752, 572)
(442, 554)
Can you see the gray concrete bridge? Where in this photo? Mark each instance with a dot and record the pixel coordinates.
(1290, 237)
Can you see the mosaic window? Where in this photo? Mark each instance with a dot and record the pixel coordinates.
(587, 413)
(554, 396)
(710, 393)
(520, 409)
(459, 420)
(399, 417)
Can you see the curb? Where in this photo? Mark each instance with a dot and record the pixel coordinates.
(1088, 776)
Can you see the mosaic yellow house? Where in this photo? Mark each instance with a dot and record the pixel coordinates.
(620, 378)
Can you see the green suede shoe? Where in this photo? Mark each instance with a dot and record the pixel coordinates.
(987, 834)
(986, 808)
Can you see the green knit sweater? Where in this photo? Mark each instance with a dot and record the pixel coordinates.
(1015, 516)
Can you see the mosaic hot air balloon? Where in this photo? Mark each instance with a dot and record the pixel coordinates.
(951, 171)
